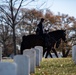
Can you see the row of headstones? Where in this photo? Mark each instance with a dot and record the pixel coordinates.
(23, 64)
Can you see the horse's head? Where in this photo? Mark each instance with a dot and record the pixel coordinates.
(64, 35)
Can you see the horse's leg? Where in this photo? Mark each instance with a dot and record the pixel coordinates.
(48, 53)
(44, 50)
(55, 52)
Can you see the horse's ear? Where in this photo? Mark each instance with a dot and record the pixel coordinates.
(64, 31)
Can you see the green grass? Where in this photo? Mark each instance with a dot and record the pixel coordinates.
(56, 66)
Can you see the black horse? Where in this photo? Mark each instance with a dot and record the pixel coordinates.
(33, 40)
(55, 37)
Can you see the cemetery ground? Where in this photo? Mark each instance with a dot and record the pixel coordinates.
(54, 66)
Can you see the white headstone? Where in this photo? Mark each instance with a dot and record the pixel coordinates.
(8, 68)
(23, 65)
(32, 56)
(37, 56)
(0, 53)
(41, 51)
(74, 53)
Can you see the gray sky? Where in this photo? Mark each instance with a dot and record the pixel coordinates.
(62, 6)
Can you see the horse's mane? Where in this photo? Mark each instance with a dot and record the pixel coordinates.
(56, 31)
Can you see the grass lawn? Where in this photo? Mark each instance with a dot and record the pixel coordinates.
(56, 66)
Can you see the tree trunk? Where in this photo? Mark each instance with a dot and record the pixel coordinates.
(14, 40)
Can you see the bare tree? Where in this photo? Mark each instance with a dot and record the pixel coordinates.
(10, 10)
(31, 17)
(4, 35)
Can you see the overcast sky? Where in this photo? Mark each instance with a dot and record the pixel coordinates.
(62, 6)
